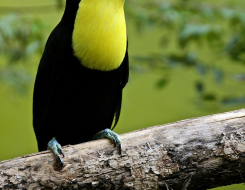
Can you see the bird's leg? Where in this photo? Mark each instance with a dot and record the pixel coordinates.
(109, 134)
(57, 150)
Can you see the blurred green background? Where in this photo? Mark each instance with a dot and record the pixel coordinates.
(187, 59)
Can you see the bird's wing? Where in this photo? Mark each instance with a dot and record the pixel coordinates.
(123, 82)
(47, 75)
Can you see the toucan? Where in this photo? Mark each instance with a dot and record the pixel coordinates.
(82, 72)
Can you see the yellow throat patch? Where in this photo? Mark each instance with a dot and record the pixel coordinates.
(99, 37)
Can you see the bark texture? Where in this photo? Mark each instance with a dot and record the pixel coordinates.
(197, 153)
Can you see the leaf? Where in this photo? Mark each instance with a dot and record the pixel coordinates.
(227, 12)
(32, 47)
(201, 69)
(233, 101)
(162, 82)
(218, 75)
(18, 79)
(209, 97)
(189, 59)
(239, 77)
(199, 87)
(195, 32)
(235, 47)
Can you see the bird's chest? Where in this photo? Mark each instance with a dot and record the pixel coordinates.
(99, 39)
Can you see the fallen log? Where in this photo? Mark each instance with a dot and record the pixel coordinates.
(198, 153)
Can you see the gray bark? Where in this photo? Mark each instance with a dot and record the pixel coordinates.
(199, 153)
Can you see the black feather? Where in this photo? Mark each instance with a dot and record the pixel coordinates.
(71, 102)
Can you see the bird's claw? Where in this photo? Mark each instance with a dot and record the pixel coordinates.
(109, 134)
(57, 150)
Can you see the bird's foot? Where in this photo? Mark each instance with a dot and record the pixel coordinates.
(57, 150)
(109, 134)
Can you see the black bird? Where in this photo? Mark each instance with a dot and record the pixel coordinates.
(81, 75)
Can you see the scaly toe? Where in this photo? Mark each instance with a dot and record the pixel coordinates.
(56, 148)
(109, 134)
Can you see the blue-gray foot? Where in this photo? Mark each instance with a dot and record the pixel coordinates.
(109, 134)
(56, 148)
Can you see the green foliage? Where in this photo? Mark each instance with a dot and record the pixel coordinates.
(193, 27)
(16, 78)
(60, 3)
(20, 38)
(197, 32)
(190, 26)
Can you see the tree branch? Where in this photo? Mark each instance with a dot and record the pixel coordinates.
(197, 153)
